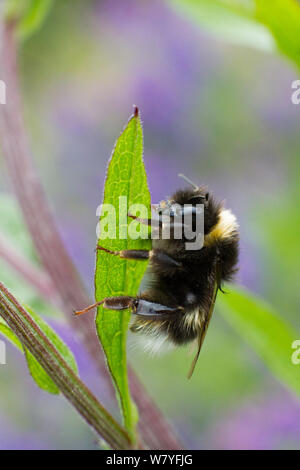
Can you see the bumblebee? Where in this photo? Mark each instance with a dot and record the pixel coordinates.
(179, 302)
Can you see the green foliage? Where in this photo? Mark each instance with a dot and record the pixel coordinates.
(279, 250)
(282, 17)
(67, 381)
(39, 375)
(59, 344)
(114, 276)
(30, 14)
(37, 372)
(234, 21)
(264, 330)
(14, 231)
(14, 9)
(6, 331)
(12, 227)
(257, 23)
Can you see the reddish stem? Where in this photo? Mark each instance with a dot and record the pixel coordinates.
(35, 276)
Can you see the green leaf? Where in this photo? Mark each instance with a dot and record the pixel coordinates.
(282, 18)
(37, 372)
(30, 14)
(39, 375)
(234, 21)
(126, 176)
(263, 329)
(9, 334)
(52, 336)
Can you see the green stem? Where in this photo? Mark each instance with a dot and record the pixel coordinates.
(66, 380)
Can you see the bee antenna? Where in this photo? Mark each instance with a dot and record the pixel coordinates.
(188, 180)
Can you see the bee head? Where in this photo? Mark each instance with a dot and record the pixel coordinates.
(195, 197)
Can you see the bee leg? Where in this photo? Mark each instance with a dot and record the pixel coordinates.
(153, 255)
(146, 308)
(138, 219)
(155, 223)
(112, 303)
(164, 258)
(138, 306)
(128, 254)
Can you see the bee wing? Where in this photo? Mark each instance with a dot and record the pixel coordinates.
(204, 327)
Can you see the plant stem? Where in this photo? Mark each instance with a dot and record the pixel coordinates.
(35, 276)
(62, 375)
(155, 430)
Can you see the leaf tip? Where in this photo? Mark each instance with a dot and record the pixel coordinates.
(135, 111)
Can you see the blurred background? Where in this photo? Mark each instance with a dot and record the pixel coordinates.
(220, 113)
